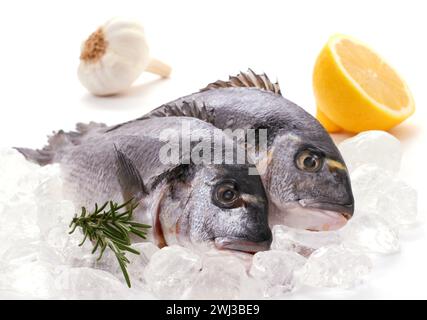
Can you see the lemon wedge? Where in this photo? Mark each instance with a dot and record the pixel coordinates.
(356, 90)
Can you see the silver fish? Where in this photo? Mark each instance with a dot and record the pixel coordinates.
(306, 179)
(194, 205)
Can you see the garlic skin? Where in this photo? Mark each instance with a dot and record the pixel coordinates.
(113, 57)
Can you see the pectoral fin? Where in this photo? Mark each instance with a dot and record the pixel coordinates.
(129, 177)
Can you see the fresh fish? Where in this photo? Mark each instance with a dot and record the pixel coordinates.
(191, 204)
(305, 177)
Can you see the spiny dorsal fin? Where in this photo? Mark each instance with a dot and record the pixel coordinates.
(187, 109)
(247, 79)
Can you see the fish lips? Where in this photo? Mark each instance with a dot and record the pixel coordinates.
(317, 216)
(241, 244)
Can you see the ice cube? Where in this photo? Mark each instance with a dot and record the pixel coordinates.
(302, 241)
(14, 173)
(136, 265)
(400, 204)
(378, 191)
(58, 239)
(19, 220)
(372, 147)
(52, 213)
(252, 289)
(33, 279)
(222, 277)
(75, 255)
(88, 283)
(146, 249)
(24, 252)
(139, 262)
(371, 233)
(171, 271)
(50, 186)
(243, 257)
(67, 247)
(52, 208)
(276, 270)
(335, 266)
(29, 268)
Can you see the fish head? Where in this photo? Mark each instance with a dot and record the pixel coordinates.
(308, 182)
(219, 205)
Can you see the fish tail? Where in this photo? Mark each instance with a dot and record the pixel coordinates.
(58, 142)
(41, 157)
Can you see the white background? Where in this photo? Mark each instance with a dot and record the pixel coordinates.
(205, 41)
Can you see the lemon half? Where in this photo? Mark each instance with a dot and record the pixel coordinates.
(356, 90)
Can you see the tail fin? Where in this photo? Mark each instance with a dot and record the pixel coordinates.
(57, 142)
(41, 157)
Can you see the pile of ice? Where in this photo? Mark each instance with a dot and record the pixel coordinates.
(38, 259)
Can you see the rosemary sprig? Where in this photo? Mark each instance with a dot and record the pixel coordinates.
(106, 227)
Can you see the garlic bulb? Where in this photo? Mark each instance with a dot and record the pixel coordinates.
(114, 56)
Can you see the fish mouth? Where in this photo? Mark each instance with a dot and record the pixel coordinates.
(241, 244)
(315, 216)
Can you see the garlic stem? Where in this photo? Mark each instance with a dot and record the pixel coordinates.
(158, 67)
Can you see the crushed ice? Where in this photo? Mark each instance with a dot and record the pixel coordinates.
(38, 259)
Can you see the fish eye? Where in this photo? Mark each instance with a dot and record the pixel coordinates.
(309, 160)
(226, 195)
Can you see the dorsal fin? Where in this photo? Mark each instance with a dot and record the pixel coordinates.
(191, 109)
(187, 109)
(247, 79)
